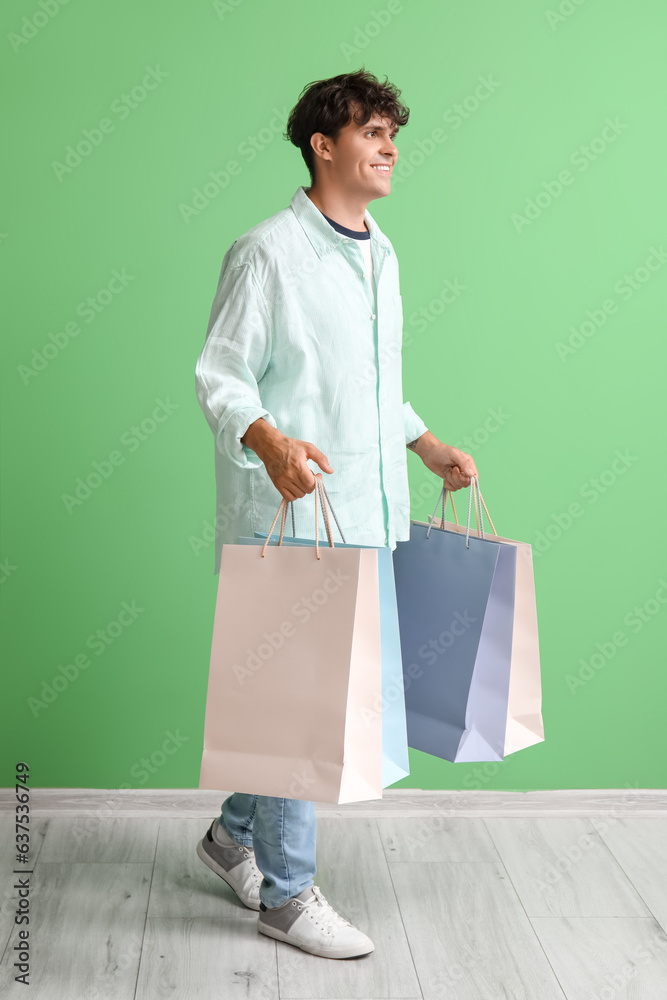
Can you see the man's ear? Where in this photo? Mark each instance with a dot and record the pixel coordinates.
(321, 145)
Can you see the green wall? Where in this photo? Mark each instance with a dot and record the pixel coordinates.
(531, 180)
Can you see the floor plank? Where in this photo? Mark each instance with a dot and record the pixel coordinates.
(624, 958)
(200, 940)
(436, 838)
(640, 847)
(86, 922)
(468, 933)
(354, 876)
(561, 867)
(103, 839)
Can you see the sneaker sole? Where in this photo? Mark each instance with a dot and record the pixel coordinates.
(215, 867)
(278, 935)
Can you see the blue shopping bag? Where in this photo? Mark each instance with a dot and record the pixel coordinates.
(395, 758)
(455, 599)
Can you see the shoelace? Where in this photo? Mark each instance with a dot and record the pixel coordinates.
(322, 912)
(250, 856)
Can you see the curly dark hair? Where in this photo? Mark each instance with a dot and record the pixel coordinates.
(324, 106)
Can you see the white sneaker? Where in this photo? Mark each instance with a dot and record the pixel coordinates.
(309, 922)
(234, 863)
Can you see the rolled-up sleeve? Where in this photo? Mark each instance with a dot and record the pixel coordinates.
(233, 360)
(414, 425)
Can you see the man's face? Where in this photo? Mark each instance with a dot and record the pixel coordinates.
(363, 157)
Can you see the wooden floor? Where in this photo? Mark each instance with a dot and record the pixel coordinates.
(529, 907)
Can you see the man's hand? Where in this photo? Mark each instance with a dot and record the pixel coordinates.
(285, 458)
(455, 467)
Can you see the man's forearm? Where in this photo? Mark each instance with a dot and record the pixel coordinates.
(260, 435)
(423, 444)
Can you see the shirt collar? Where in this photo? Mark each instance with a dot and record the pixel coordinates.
(323, 237)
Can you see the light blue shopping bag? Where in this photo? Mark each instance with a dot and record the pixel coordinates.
(395, 758)
(456, 606)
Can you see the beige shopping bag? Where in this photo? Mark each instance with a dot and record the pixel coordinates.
(525, 726)
(295, 673)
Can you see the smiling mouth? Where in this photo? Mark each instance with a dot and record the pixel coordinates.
(381, 168)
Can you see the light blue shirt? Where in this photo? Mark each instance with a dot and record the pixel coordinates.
(299, 334)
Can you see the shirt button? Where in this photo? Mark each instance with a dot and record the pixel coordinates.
(372, 315)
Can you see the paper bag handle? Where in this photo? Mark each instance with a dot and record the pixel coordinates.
(478, 497)
(474, 487)
(444, 493)
(320, 491)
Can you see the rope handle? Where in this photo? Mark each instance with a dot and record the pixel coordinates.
(479, 503)
(475, 488)
(479, 493)
(320, 491)
(444, 493)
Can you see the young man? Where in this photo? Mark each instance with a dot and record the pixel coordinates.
(302, 353)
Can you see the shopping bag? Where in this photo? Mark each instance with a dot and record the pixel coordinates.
(455, 600)
(525, 725)
(295, 663)
(395, 757)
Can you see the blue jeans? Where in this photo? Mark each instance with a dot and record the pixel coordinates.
(282, 832)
